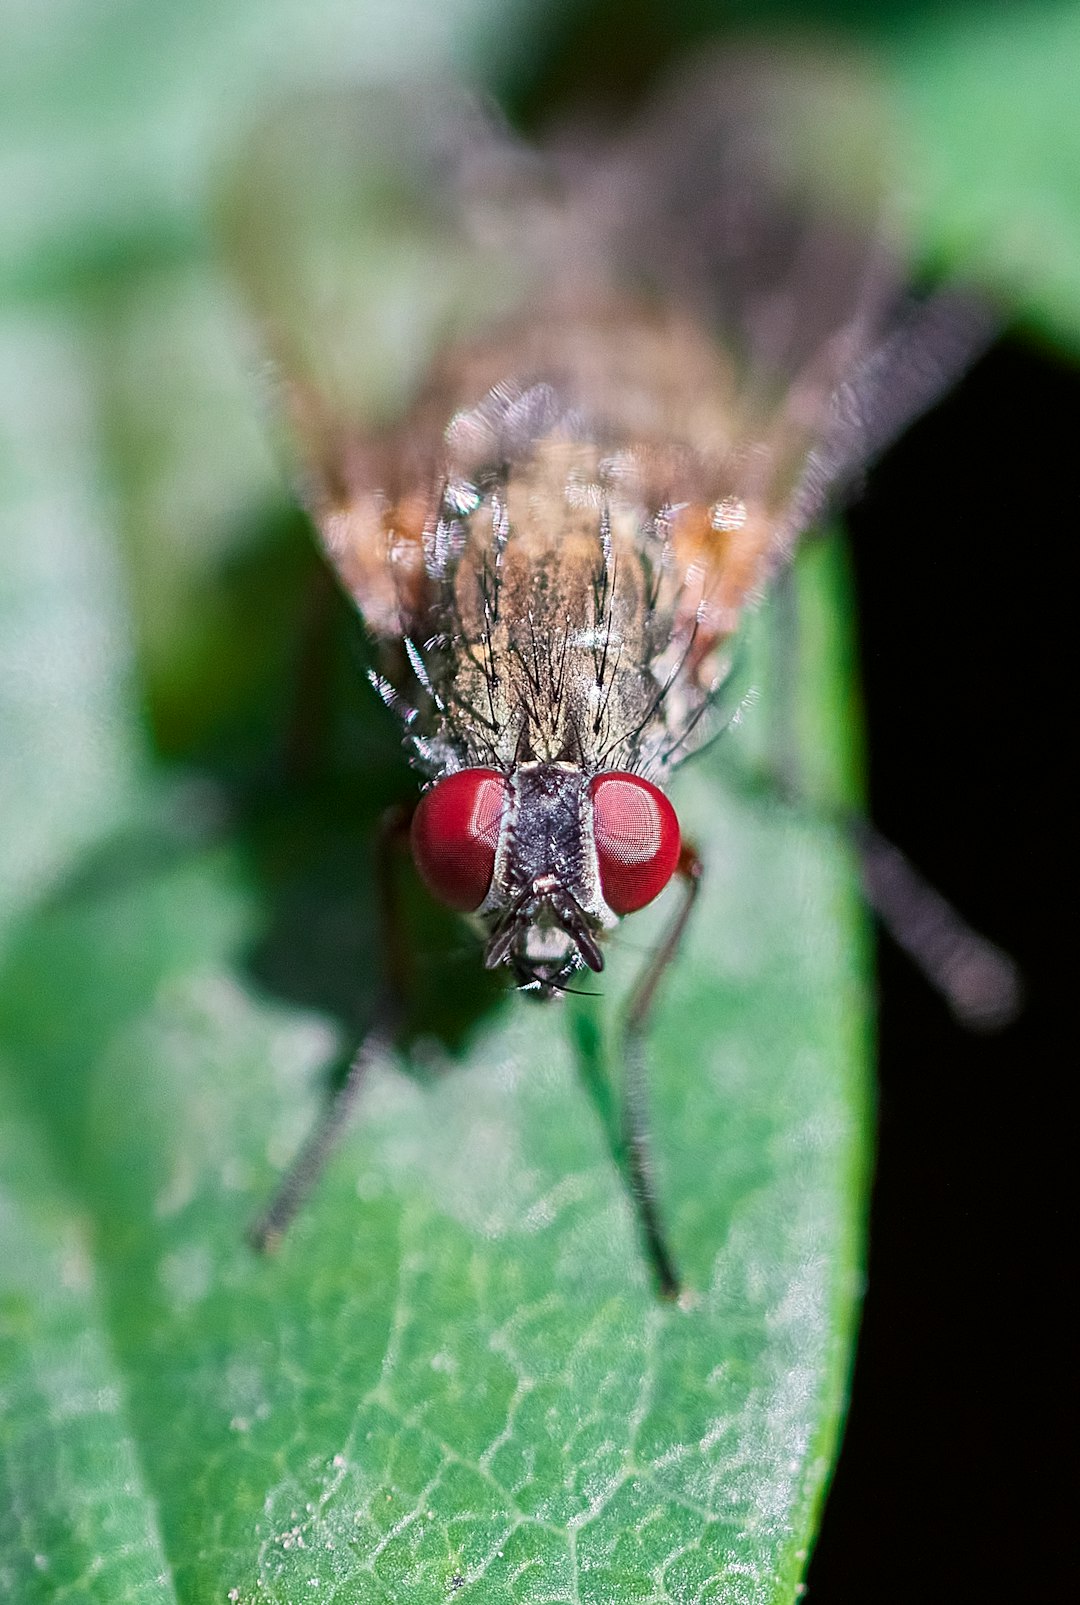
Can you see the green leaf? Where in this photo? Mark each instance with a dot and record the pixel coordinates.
(457, 1368)
(71, 749)
(988, 96)
(462, 1323)
(76, 1517)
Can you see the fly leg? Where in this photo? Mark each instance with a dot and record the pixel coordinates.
(634, 1121)
(268, 1229)
(980, 983)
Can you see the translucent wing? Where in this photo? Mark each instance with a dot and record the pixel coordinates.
(367, 230)
(758, 195)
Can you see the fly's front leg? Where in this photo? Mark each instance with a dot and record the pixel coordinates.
(303, 1174)
(634, 1111)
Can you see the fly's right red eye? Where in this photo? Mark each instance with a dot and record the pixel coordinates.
(455, 832)
(637, 840)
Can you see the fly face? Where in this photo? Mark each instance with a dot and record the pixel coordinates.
(547, 858)
(544, 909)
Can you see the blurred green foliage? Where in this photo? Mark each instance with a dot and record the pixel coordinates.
(455, 1378)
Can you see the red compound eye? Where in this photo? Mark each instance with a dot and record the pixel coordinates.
(455, 832)
(637, 840)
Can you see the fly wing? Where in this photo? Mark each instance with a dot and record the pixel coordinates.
(368, 229)
(712, 307)
(757, 196)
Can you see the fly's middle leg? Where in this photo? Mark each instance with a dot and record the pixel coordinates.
(634, 1123)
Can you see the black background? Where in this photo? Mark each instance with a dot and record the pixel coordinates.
(956, 1477)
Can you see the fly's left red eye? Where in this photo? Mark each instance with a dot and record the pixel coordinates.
(637, 840)
(455, 834)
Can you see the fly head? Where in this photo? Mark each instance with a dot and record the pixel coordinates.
(547, 858)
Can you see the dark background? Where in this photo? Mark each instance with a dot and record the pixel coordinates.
(956, 1478)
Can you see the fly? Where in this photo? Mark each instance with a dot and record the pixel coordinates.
(654, 369)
